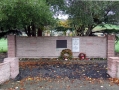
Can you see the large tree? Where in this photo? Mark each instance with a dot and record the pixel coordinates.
(57, 6)
(63, 26)
(85, 15)
(29, 15)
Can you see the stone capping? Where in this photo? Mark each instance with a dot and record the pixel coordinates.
(115, 58)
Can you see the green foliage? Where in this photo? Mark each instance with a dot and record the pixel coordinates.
(19, 14)
(14, 32)
(88, 14)
(35, 14)
(57, 6)
(63, 29)
(107, 28)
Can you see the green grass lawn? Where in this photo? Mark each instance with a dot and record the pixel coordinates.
(3, 45)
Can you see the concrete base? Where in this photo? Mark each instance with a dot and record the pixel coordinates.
(4, 72)
(113, 67)
(14, 66)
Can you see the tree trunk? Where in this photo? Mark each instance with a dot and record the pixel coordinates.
(39, 33)
(29, 31)
(89, 31)
(80, 31)
(33, 30)
(26, 31)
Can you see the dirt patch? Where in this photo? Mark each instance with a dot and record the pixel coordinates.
(70, 69)
(2, 56)
(59, 76)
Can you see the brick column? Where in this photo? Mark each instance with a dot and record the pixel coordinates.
(110, 46)
(11, 45)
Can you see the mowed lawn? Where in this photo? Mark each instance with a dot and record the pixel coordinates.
(3, 45)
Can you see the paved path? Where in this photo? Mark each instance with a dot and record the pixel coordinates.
(61, 84)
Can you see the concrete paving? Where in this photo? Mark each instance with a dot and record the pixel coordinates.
(59, 84)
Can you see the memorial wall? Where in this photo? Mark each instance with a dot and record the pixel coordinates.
(50, 47)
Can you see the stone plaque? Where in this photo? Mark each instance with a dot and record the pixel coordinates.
(61, 43)
(75, 44)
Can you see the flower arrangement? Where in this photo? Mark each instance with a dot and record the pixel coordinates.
(66, 54)
(82, 56)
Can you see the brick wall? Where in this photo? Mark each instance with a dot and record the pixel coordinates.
(44, 47)
(11, 45)
(110, 46)
(4, 72)
(94, 47)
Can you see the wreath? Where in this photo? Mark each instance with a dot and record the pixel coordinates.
(66, 54)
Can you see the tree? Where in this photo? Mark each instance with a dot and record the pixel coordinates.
(64, 23)
(30, 15)
(57, 6)
(85, 15)
(63, 26)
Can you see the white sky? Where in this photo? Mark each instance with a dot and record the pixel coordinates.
(62, 16)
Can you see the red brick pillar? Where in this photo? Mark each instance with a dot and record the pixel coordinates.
(110, 46)
(11, 45)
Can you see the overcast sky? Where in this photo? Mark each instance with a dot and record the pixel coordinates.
(63, 17)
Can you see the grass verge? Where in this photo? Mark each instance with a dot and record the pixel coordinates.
(3, 45)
